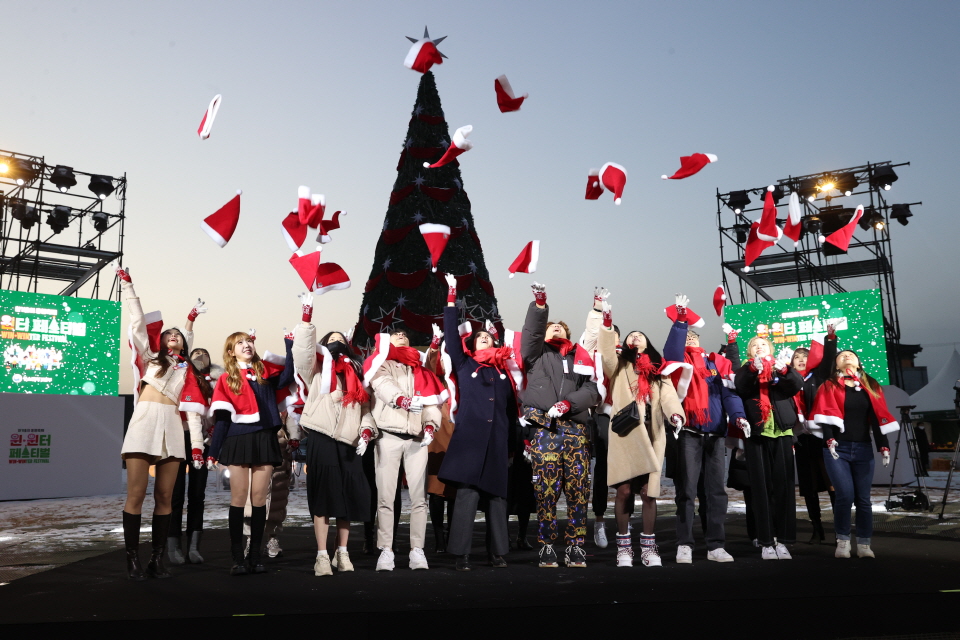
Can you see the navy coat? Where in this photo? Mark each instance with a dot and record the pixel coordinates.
(477, 453)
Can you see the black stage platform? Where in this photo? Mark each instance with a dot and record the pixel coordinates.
(913, 587)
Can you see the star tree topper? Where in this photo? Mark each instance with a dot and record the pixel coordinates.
(424, 53)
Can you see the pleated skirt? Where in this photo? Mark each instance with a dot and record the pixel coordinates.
(252, 449)
(336, 485)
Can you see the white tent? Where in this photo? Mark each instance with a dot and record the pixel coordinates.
(938, 394)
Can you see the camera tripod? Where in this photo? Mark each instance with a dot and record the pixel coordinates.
(916, 500)
(956, 451)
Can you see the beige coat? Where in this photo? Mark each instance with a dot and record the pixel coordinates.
(641, 451)
(391, 381)
(324, 412)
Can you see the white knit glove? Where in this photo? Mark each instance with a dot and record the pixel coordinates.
(744, 426)
(427, 436)
(832, 446)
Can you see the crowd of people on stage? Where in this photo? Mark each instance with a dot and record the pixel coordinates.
(504, 422)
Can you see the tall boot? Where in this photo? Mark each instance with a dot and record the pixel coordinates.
(258, 521)
(437, 504)
(235, 522)
(158, 547)
(369, 544)
(174, 552)
(131, 540)
(819, 535)
(523, 522)
(193, 553)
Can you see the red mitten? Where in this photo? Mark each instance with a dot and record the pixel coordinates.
(294, 444)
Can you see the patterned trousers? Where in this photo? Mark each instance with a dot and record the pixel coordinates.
(561, 461)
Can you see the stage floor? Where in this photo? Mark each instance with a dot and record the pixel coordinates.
(912, 587)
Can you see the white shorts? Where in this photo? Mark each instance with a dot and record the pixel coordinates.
(156, 430)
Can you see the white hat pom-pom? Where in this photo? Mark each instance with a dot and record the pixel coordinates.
(770, 188)
(426, 165)
(746, 269)
(512, 274)
(239, 192)
(617, 201)
(596, 184)
(473, 375)
(503, 376)
(663, 177)
(821, 238)
(433, 270)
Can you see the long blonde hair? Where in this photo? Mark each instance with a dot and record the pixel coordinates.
(234, 377)
(754, 339)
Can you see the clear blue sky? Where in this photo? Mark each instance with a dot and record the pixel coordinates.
(315, 93)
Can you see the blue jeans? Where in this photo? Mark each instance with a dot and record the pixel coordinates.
(852, 475)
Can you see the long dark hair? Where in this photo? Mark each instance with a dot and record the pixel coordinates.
(347, 350)
(471, 340)
(163, 360)
(628, 356)
(205, 388)
(866, 380)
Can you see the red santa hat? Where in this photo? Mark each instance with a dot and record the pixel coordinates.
(306, 266)
(815, 355)
(330, 277)
(690, 165)
(526, 262)
(692, 318)
(436, 237)
(310, 206)
(842, 236)
(614, 178)
(207, 123)
(594, 188)
(719, 299)
(506, 98)
(294, 232)
(794, 226)
(459, 144)
(755, 246)
(768, 230)
(329, 224)
(221, 224)
(423, 54)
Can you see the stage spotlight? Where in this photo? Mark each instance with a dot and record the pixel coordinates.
(811, 224)
(883, 177)
(738, 201)
(826, 184)
(808, 189)
(876, 221)
(100, 221)
(4, 166)
(900, 213)
(59, 218)
(102, 186)
(22, 171)
(17, 208)
(864, 222)
(63, 178)
(846, 182)
(28, 216)
(742, 231)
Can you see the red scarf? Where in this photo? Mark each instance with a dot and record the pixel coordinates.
(562, 345)
(644, 370)
(765, 375)
(426, 385)
(697, 403)
(496, 357)
(354, 392)
(828, 406)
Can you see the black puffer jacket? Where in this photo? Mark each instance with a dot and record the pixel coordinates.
(782, 389)
(547, 384)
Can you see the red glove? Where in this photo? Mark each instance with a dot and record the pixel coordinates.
(831, 331)
(681, 314)
(607, 315)
(832, 446)
(539, 293)
(681, 301)
(428, 430)
(196, 311)
(211, 461)
(306, 304)
(123, 275)
(197, 455)
(559, 409)
(403, 402)
(366, 434)
(451, 295)
(294, 444)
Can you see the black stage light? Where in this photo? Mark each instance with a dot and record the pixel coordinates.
(17, 208)
(59, 218)
(865, 218)
(28, 216)
(900, 213)
(883, 177)
(811, 224)
(846, 182)
(742, 231)
(22, 171)
(876, 220)
(102, 186)
(63, 178)
(100, 221)
(738, 201)
(808, 189)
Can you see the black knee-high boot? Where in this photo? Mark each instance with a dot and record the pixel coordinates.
(235, 521)
(131, 540)
(258, 521)
(523, 523)
(437, 505)
(158, 547)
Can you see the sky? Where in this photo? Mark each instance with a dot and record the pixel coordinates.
(316, 94)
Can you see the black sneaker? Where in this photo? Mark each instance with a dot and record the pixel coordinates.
(548, 557)
(575, 556)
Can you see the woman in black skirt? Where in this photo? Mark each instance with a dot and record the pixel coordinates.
(338, 420)
(245, 438)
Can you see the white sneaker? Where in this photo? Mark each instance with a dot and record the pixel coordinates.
(864, 551)
(719, 555)
(600, 535)
(322, 566)
(649, 556)
(341, 561)
(417, 559)
(385, 561)
(769, 553)
(624, 556)
(782, 552)
(273, 548)
(684, 554)
(843, 549)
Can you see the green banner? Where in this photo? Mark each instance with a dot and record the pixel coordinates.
(58, 344)
(857, 316)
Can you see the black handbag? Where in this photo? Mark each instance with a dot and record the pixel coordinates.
(626, 420)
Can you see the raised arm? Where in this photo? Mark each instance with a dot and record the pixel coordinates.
(673, 348)
(453, 344)
(607, 345)
(825, 368)
(305, 342)
(594, 319)
(535, 326)
(138, 324)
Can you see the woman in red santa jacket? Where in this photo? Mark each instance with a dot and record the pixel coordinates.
(848, 407)
(245, 439)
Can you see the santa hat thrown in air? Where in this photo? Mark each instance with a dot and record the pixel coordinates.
(719, 299)
(207, 123)
(221, 225)
(423, 54)
(842, 236)
(815, 355)
(330, 277)
(614, 178)
(690, 165)
(594, 188)
(794, 226)
(755, 246)
(306, 266)
(459, 144)
(294, 232)
(768, 230)
(328, 225)
(310, 206)
(436, 236)
(526, 262)
(506, 98)
(693, 319)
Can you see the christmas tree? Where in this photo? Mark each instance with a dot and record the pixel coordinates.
(401, 288)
